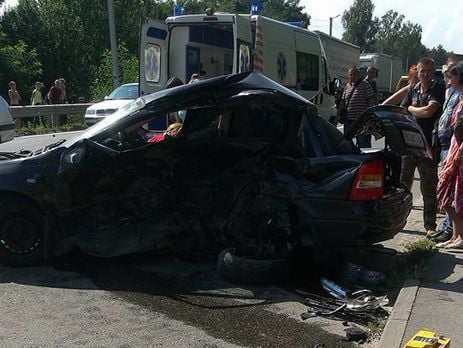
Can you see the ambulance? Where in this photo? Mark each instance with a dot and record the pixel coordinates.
(217, 44)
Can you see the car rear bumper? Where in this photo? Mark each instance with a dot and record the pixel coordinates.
(361, 222)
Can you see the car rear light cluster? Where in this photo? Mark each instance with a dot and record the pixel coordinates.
(369, 182)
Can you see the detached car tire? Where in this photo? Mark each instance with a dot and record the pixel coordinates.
(21, 233)
(238, 267)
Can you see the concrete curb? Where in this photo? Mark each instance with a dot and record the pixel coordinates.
(395, 327)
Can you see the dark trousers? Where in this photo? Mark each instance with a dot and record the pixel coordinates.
(428, 184)
(363, 140)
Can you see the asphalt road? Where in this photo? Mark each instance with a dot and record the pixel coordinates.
(148, 300)
(35, 142)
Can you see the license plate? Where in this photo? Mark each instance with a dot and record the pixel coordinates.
(413, 139)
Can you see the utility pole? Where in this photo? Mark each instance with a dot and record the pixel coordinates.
(331, 24)
(112, 38)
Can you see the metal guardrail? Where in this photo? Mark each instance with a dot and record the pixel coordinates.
(48, 110)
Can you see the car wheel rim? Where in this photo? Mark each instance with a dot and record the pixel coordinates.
(20, 235)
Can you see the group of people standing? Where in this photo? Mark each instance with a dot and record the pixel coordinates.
(55, 95)
(437, 107)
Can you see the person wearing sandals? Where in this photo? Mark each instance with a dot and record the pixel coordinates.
(450, 186)
(444, 135)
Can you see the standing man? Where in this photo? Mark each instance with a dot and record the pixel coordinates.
(424, 101)
(15, 98)
(370, 78)
(13, 94)
(55, 96)
(356, 98)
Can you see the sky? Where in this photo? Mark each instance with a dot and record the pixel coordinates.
(441, 21)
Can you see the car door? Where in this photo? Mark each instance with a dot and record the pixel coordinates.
(113, 202)
(154, 39)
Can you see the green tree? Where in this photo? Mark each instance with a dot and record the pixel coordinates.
(285, 10)
(439, 54)
(71, 38)
(409, 47)
(19, 63)
(102, 84)
(399, 38)
(359, 25)
(389, 28)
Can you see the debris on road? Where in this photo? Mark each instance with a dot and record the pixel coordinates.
(358, 306)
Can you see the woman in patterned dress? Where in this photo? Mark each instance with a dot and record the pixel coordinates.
(450, 187)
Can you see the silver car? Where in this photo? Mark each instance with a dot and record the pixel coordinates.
(118, 98)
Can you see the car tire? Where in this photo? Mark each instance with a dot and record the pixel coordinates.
(21, 233)
(238, 266)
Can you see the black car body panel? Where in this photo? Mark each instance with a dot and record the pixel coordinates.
(254, 165)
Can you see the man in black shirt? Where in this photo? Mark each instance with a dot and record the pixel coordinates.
(424, 101)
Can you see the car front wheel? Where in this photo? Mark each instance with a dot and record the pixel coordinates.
(21, 233)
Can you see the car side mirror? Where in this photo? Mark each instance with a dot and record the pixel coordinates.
(74, 157)
(106, 97)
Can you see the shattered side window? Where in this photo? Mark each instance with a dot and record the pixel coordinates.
(202, 123)
(239, 123)
(258, 123)
(332, 140)
(320, 138)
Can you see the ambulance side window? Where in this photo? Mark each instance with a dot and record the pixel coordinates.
(307, 71)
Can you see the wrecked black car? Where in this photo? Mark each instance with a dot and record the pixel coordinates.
(253, 166)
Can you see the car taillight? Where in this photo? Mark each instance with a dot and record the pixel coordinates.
(369, 182)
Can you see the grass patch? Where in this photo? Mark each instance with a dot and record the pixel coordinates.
(376, 328)
(412, 263)
(73, 123)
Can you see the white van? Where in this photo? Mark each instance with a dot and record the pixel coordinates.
(220, 44)
(7, 126)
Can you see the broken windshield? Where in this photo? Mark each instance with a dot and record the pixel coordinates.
(123, 112)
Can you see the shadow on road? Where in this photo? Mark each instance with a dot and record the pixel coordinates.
(191, 292)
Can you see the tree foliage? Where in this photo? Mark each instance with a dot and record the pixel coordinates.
(390, 34)
(19, 63)
(70, 39)
(399, 38)
(102, 85)
(47, 39)
(439, 54)
(359, 24)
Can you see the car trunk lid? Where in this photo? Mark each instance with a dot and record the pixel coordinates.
(402, 133)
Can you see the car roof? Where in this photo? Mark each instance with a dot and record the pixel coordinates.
(129, 84)
(227, 86)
